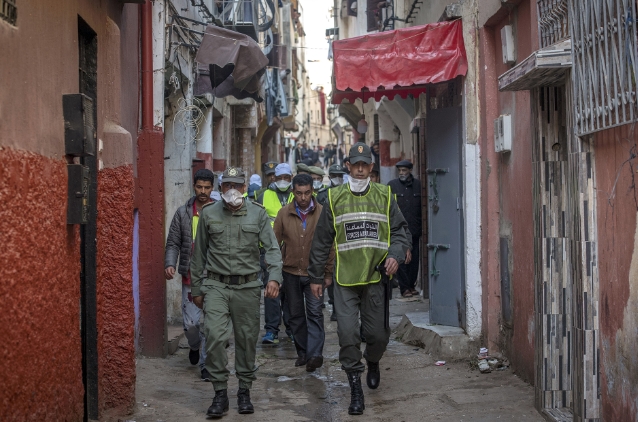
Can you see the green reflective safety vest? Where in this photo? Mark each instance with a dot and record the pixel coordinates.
(362, 227)
(272, 204)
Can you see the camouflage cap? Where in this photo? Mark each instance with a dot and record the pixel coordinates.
(316, 170)
(234, 175)
(336, 169)
(303, 167)
(269, 167)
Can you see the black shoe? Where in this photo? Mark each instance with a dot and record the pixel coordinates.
(314, 363)
(205, 375)
(220, 404)
(357, 405)
(373, 378)
(193, 356)
(333, 316)
(244, 405)
(301, 361)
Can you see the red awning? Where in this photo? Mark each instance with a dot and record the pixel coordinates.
(398, 62)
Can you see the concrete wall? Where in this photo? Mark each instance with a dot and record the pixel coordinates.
(507, 193)
(41, 253)
(618, 271)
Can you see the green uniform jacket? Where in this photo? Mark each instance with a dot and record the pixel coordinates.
(325, 235)
(227, 243)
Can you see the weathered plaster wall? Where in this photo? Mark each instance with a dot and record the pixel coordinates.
(40, 65)
(617, 204)
(41, 352)
(507, 191)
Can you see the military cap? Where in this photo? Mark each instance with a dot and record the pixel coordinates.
(336, 169)
(269, 167)
(360, 152)
(234, 175)
(303, 167)
(316, 170)
(404, 163)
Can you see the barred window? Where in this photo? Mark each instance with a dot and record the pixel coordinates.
(605, 66)
(9, 11)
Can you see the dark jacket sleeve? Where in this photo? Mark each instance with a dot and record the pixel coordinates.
(398, 228)
(174, 241)
(321, 246)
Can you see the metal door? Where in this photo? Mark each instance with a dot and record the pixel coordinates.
(445, 215)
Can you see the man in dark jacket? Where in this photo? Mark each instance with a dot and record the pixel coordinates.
(408, 194)
(180, 243)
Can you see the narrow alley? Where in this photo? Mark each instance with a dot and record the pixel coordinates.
(412, 387)
(168, 166)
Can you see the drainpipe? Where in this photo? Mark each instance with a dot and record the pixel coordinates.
(149, 200)
(147, 65)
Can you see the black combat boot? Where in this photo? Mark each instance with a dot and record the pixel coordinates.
(373, 378)
(357, 406)
(220, 404)
(243, 401)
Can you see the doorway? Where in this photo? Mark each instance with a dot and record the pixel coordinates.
(87, 43)
(445, 237)
(565, 275)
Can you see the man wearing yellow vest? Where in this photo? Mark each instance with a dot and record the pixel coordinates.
(273, 199)
(364, 223)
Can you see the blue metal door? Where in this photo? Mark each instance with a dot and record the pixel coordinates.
(445, 244)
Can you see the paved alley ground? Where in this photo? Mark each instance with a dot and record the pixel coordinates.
(412, 387)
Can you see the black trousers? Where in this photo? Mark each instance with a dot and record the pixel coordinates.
(408, 273)
(306, 316)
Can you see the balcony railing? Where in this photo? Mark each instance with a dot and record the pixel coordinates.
(248, 17)
(553, 21)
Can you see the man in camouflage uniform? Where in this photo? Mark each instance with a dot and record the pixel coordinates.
(229, 234)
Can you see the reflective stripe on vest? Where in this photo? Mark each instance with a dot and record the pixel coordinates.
(273, 205)
(362, 232)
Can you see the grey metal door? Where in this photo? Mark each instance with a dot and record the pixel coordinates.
(445, 215)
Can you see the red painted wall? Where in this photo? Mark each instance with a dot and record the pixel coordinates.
(39, 296)
(617, 205)
(507, 196)
(116, 350)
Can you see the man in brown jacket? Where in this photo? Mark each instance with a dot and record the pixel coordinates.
(294, 228)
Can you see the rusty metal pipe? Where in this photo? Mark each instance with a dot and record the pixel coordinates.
(146, 10)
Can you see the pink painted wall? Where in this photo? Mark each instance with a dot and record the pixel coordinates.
(507, 195)
(617, 207)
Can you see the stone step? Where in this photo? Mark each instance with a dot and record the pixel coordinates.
(442, 342)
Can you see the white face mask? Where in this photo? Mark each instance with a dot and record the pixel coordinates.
(316, 184)
(233, 197)
(282, 185)
(337, 181)
(358, 185)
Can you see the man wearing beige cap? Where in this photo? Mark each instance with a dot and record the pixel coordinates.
(227, 244)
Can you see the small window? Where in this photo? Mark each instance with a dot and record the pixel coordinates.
(9, 11)
(373, 13)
